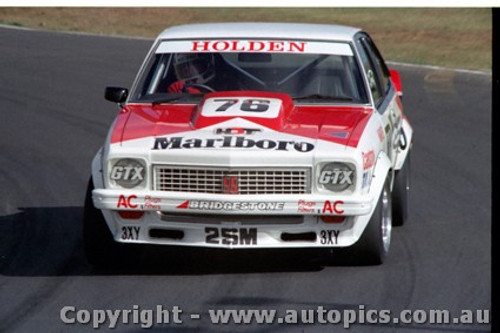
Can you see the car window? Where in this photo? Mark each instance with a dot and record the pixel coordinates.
(370, 72)
(315, 76)
(379, 64)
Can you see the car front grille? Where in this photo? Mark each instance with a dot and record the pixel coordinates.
(232, 180)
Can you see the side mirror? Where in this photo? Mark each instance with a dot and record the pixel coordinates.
(116, 94)
(396, 80)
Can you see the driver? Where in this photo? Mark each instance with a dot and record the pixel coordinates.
(192, 68)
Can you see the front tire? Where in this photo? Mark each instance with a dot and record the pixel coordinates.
(400, 194)
(99, 246)
(374, 244)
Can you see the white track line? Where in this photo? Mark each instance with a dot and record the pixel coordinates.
(432, 67)
(78, 33)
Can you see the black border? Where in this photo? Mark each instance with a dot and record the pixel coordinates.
(495, 108)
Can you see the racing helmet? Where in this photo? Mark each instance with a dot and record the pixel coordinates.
(194, 67)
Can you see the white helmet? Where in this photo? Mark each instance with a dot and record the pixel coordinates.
(194, 67)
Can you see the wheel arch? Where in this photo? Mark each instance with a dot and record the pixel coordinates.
(404, 149)
(97, 167)
(381, 170)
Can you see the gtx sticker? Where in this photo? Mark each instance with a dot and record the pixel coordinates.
(126, 202)
(241, 107)
(230, 142)
(231, 236)
(127, 173)
(329, 237)
(130, 233)
(236, 131)
(336, 177)
(333, 207)
(306, 206)
(368, 159)
(231, 206)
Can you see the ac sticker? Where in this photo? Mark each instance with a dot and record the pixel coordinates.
(126, 201)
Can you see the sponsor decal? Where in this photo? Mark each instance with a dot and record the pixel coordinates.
(230, 184)
(380, 133)
(231, 206)
(368, 159)
(329, 237)
(336, 177)
(126, 202)
(164, 143)
(184, 205)
(231, 236)
(151, 203)
(306, 206)
(333, 207)
(247, 46)
(130, 233)
(236, 131)
(371, 79)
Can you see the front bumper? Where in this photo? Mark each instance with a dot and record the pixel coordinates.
(175, 202)
(234, 221)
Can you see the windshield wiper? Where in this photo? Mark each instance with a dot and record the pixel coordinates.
(323, 97)
(175, 98)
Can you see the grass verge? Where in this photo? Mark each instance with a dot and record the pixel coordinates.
(449, 37)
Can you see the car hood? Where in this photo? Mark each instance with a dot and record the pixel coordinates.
(167, 126)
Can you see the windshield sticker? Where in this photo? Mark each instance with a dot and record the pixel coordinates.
(263, 46)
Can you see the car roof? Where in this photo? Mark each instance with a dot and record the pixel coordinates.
(261, 30)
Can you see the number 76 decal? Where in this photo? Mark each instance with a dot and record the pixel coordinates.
(242, 107)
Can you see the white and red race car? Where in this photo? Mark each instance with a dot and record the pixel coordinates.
(253, 135)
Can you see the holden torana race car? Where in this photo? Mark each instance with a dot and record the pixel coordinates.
(253, 135)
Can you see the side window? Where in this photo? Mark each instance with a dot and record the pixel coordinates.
(370, 71)
(379, 64)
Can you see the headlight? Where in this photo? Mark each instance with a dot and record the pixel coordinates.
(128, 173)
(337, 176)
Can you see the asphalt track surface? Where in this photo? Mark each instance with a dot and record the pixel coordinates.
(53, 118)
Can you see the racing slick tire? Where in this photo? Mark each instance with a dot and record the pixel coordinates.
(400, 194)
(100, 248)
(373, 246)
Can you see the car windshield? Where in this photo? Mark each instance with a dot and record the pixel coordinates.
(310, 72)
